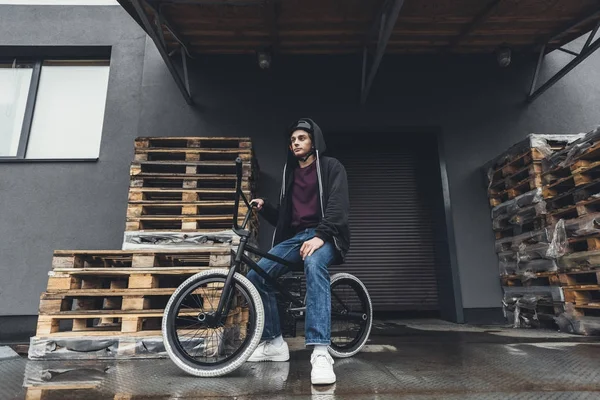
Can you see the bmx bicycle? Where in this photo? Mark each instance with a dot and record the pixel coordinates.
(214, 320)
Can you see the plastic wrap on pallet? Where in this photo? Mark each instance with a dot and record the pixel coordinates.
(511, 207)
(571, 322)
(522, 268)
(554, 292)
(529, 240)
(96, 348)
(140, 240)
(564, 157)
(507, 267)
(583, 226)
(507, 256)
(576, 149)
(539, 142)
(521, 309)
(528, 214)
(532, 251)
(559, 244)
(83, 374)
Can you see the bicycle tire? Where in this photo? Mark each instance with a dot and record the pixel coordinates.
(339, 351)
(230, 364)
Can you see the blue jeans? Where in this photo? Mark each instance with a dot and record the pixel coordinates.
(318, 292)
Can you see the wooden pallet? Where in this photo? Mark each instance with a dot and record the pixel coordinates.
(514, 164)
(208, 223)
(190, 154)
(528, 184)
(189, 181)
(118, 291)
(143, 208)
(541, 279)
(166, 168)
(183, 195)
(588, 295)
(516, 230)
(93, 259)
(582, 261)
(512, 243)
(585, 159)
(580, 279)
(580, 209)
(577, 176)
(509, 181)
(573, 196)
(584, 244)
(184, 142)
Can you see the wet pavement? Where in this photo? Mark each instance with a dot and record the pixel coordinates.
(404, 360)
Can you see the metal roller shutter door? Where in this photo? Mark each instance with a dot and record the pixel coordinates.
(393, 241)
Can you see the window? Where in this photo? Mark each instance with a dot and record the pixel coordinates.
(52, 109)
(62, 2)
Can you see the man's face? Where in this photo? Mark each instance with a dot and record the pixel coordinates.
(300, 143)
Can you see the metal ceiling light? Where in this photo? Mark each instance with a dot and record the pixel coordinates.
(503, 56)
(264, 59)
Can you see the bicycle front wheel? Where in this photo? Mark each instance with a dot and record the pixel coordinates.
(197, 343)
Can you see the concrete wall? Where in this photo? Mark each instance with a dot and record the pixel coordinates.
(478, 106)
(60, 205)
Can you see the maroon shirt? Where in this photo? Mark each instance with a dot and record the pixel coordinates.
(305, 198)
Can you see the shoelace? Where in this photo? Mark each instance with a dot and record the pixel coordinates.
(321, 360)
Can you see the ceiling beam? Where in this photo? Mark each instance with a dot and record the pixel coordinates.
(474, 24)
(388, 18)
(162, 50)
(584, 19)
(164, 20)
(273, 11)
(585, 53)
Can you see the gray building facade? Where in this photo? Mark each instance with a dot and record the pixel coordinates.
(476, 109)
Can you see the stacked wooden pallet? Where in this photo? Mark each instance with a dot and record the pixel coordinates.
(111, 302)
(184, 186)
(572, 192)
(524, 237)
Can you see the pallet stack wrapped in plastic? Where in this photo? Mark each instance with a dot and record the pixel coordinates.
(108, 304)
(571, 190)
(525, 242)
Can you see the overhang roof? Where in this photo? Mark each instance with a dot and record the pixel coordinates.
(346, 26)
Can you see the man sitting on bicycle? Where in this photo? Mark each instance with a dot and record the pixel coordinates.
(311, 225)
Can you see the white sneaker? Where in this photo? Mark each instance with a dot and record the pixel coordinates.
(322, 369)
(267, 351)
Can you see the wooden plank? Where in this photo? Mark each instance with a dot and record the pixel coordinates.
(70, 261)
(146, 281)
(110, 292)
(63, 282)
(174, 252)
(580, 280)
(107, 272)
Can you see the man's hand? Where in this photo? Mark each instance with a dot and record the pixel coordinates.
(310, 246)
(259, 203)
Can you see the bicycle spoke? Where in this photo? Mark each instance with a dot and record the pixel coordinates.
(200, 340)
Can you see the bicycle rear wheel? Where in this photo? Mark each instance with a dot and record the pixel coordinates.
(197, 343)
(351, 315)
